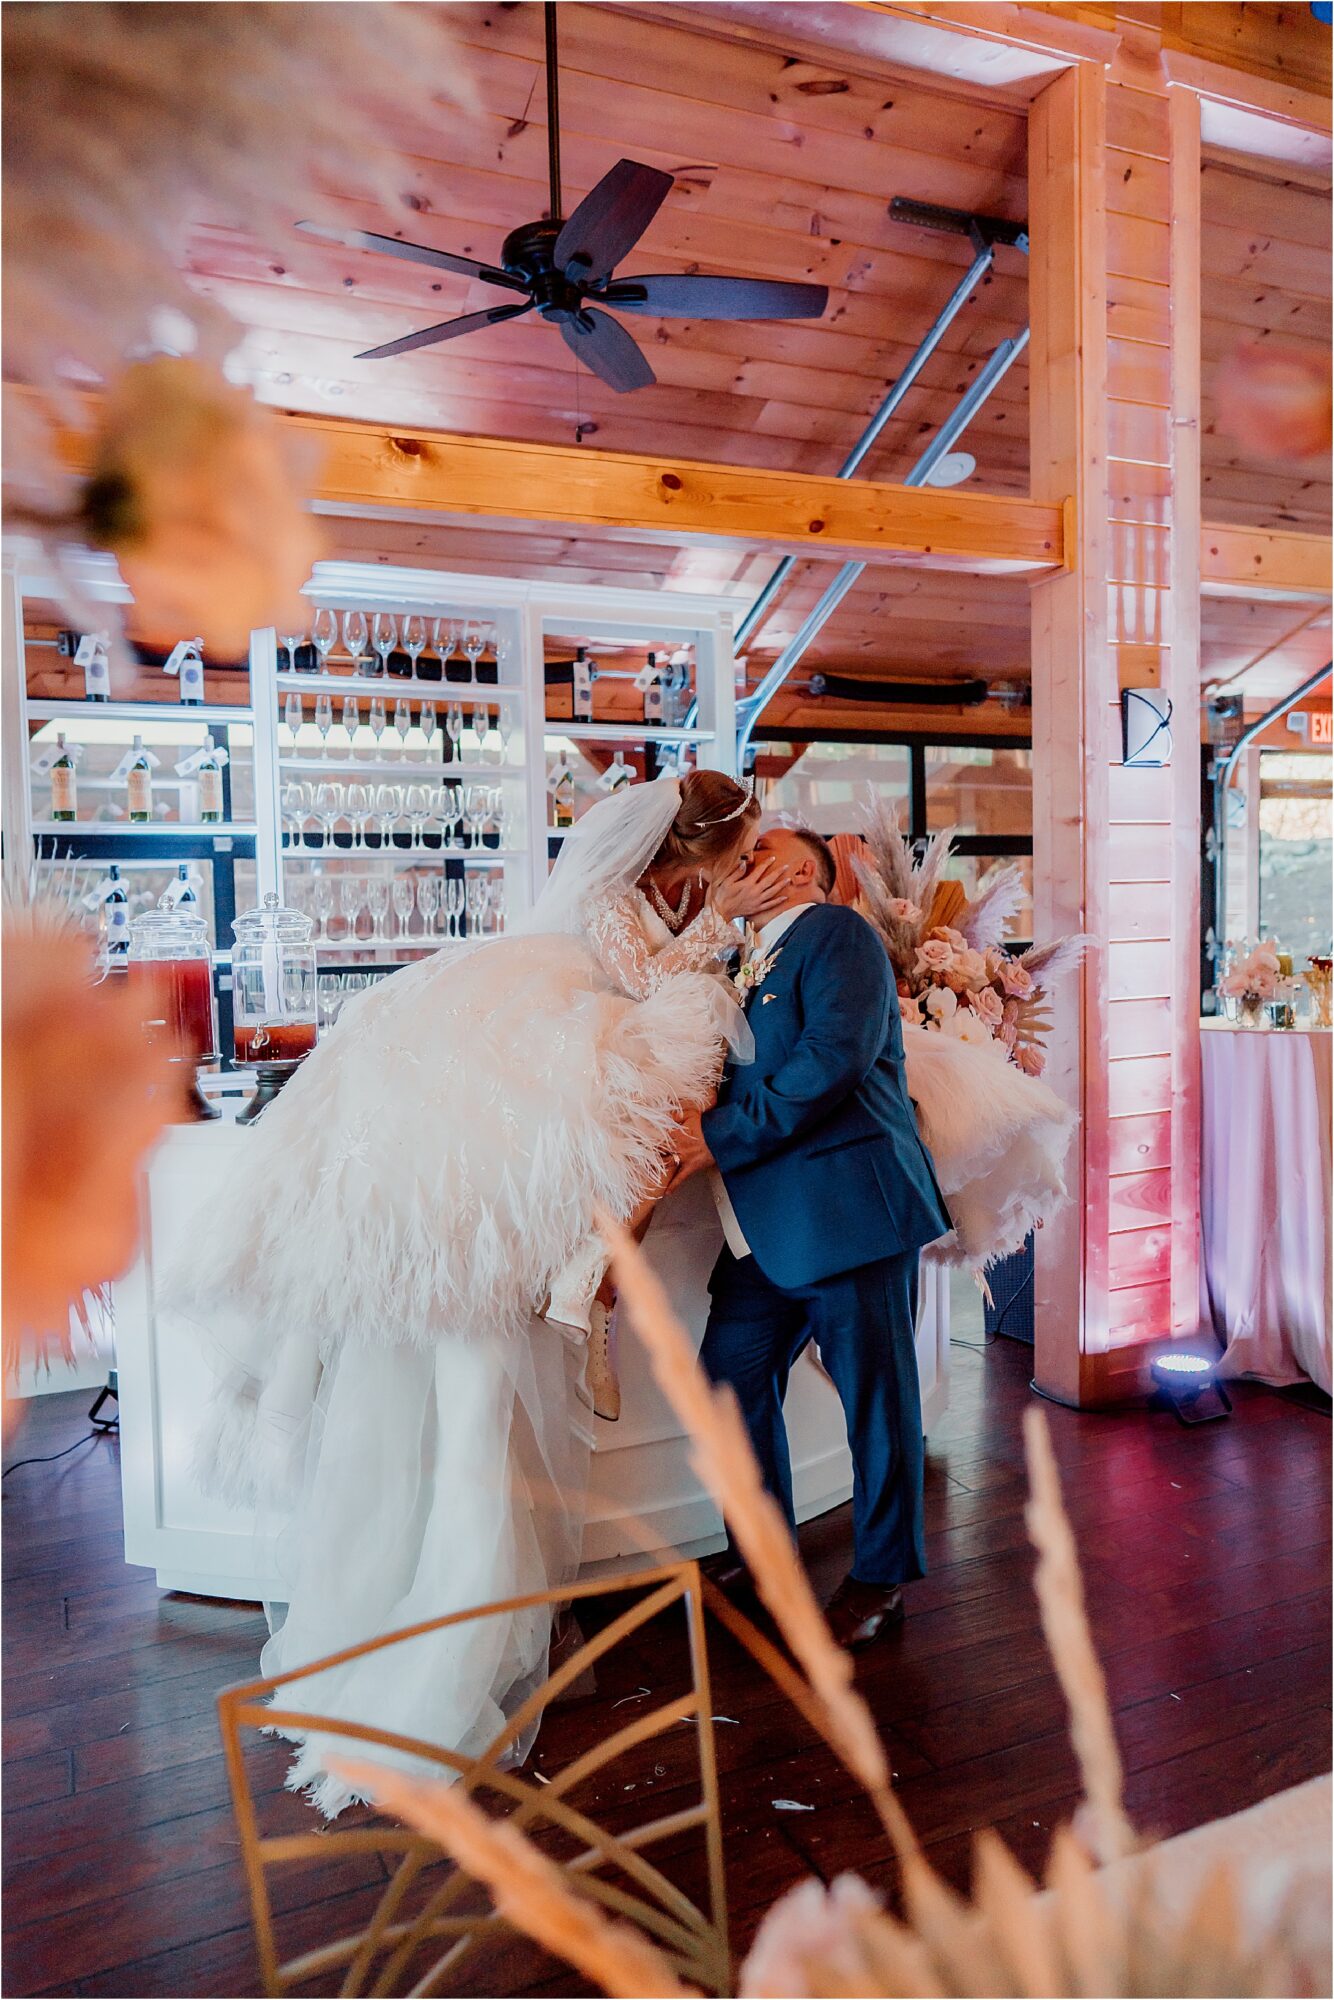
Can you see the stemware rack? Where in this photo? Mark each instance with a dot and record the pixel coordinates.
(255, 850)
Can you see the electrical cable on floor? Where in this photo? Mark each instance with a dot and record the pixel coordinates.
(100, 1430)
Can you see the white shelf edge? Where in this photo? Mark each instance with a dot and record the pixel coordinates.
(485, 857)
(630, 732)
(396, 684)
(436, 774)
(245, 830)
(138, 711)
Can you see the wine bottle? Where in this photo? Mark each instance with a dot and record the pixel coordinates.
(64, 784)
(185, 895)
(582, 699)
(652, 691)
(117, 907)
(93, 656)
(210, 785)
(140, 780)
(192, 677)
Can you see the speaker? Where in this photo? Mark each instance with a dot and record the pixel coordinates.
(1146, 728)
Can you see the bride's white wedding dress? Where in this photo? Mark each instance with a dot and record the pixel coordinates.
(369, 1292)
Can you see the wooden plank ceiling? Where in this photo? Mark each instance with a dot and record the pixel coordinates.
(784, 168)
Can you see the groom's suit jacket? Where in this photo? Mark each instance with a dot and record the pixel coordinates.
(816, 1140)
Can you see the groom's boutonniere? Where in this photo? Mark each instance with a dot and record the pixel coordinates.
(755, 965)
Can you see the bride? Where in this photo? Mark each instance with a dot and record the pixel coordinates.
(371, 1293)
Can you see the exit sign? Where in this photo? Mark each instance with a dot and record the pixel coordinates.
(1320, 727)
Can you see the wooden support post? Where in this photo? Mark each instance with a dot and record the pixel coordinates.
(1115, 311)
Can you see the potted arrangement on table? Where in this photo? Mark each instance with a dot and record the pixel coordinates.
(1250, 981)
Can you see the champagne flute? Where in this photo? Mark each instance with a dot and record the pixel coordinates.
(505, 728)
(324, 631)
(351, 721)
(481, 728)
(351, 897)
(360, 802)
(294, 715)
(454, 726)
(403, 724)
(474, 645)
(417, 807)
(378, 903)
(379, 722)
(496, 813)
(385, 637)
(405, 899)
(354, 637)
(387, 811)
(428, 727)
(445, 639)
(476, 898)
(428, 903)
(414, 638)
(453, 906)
(291, 640)
(322, 903)
(498, 903)
(324, 720)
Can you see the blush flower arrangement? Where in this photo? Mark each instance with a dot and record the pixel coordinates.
(1254, 978)
(951, 966)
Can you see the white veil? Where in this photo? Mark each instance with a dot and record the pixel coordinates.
(604, 854)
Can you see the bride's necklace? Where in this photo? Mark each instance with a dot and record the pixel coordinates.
(673, 918)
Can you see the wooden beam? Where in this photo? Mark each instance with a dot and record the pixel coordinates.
(1264, 563)
(365, 466)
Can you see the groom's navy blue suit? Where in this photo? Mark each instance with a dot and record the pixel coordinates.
(819, 1151)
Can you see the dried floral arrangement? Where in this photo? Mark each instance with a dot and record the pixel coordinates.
(126, 125)
(1084, 1937)
(950, 964)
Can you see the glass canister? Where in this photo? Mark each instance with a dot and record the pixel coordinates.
(170, 967)
(274, 994)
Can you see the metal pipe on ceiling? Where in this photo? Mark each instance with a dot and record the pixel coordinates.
(1223, 778)
(748, 711)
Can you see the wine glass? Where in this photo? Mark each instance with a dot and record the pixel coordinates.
(414, 638)
(354, 637)
(498, 904)
(505, 729)
(445, 639)
(474, 809)
(481, 728)
(294, 715)
(388, 810)
(417, 807)
(428, 902)
(351, 721)
(428, 725)
(291, 810)
(496, 813)
(379, 722)
(324, 720)
(405, 899)
(385, 637)
(328, 809)
(441, 810)
(502, 646)
(322, 903)
(453, 906)
(476, 898)
(329, 997)
(351, 898)
(454, 726)
(474, 644)
(378, 903)
(291, 640)
(360, 804)
(403, 724)
(324, 631)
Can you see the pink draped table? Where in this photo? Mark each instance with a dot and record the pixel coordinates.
(1265, 1200)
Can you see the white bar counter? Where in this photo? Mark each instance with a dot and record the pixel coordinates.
(643, 1492)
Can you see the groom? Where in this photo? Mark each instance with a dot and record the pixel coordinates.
(827, 1195)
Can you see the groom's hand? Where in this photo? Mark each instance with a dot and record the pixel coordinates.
(691, 1149)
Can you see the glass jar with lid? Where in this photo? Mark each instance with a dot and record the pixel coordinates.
(274, 995)
(170, 967)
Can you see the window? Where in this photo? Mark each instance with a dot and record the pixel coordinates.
(1296, 850)
(825, 784)
(979, 790)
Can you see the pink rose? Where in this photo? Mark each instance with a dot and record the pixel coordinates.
(987, 1006)
(934, 956)
(951, 937)
(904, 912)
(1030, 1059)
(968, 970)
(1015, 978)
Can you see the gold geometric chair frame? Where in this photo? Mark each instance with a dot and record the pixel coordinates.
(376, 1957)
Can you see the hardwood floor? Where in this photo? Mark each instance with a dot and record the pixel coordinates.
(1207, 1566)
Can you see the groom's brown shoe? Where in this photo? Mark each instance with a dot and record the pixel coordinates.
(861, 1613)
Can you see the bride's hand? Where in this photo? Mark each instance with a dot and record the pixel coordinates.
(757, 892)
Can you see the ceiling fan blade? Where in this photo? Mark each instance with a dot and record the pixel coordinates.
(415, 253)
(445, 329)
(696, 295)
(608, 350)
(610, 220)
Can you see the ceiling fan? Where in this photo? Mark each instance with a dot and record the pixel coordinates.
(563, 266)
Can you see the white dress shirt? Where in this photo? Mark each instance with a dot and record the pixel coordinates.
(732, 1231)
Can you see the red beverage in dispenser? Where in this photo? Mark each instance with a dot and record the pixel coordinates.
(274, 1041)
(178, 1003)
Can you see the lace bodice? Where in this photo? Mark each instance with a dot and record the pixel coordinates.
(618, 932)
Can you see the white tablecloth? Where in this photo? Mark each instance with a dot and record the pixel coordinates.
(1265, 1200)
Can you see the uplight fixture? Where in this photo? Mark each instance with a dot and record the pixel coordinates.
(1181, 1379)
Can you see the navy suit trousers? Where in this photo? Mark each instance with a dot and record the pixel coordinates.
(862, 1322)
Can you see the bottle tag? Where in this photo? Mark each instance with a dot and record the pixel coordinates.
(584, 673)
(44, 758)
(186, 659)
(560, 775)
(98, 895)
(173, 892)
(89, 646)
(189, 765)
(93, 654)
(132, 756)
(647, 677)
(616, 776)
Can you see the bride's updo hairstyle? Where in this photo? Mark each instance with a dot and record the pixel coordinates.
(710, 823)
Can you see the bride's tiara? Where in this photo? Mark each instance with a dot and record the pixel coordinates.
(724, 819)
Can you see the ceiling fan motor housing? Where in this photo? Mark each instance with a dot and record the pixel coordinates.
(527, 254)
